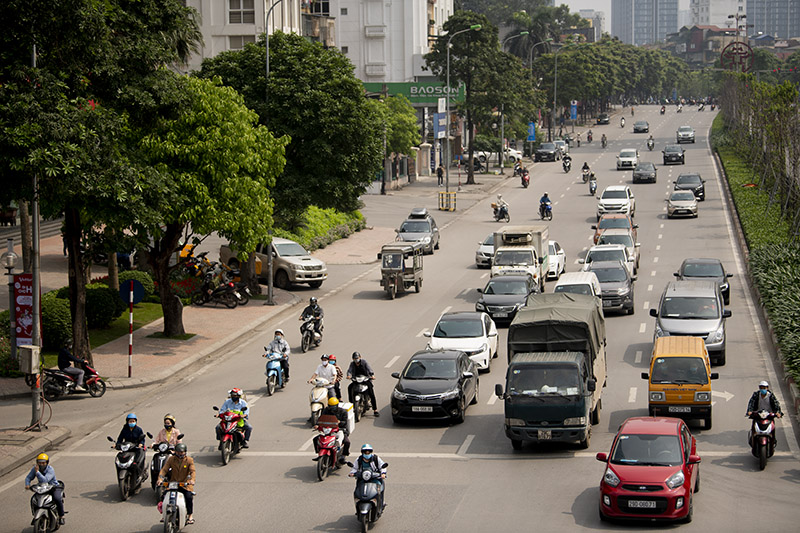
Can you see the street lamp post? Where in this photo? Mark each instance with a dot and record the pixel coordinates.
(502, 117)
(530, 55)
(447, 118)
(8, 261)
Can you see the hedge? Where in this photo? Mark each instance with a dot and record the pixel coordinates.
(143, 277)
(56, 321)
(101, 305)
(324, 226)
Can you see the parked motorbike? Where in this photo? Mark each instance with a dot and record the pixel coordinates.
(307, 333)
(173, 506)
(518, 170)
(761, 437)
(232, 434)
(318, 398)
(650, 145)
(566, 164)
(663, 109)
(225, 293)
(525, 178)
(701, 107)
(585, 174)
(369, 486)
(329, 445)
(361, 399)
(274, 371)
(592, 185)
(57, 383)
(162, 451)
(546, 211)
(130, 474)
(500, 213)
(43, 507)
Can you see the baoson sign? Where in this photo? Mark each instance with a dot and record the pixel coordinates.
(420, 93)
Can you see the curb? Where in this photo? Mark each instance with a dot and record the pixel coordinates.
(56, 435)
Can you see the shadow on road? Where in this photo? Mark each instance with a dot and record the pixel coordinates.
(345, 523)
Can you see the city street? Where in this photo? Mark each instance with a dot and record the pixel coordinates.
(462, 477)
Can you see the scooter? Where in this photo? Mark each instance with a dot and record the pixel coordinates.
(585, 174)
(589, 137)
(650, 145)
(369, 487)
(592, 185)
(713, 106)
(173, 506)
(162, 451)
(546, 211)
(309, 337)
(680, 108)
(57, 383)
(603, 142)
(130, 475)
(225, 293)
(500, 213)
(361, 398)
(232, 435)
(663, 109)
(622, 122)
(761, 437)
(329, 444)
(525, 178)
(318, 398)
(274, 371)
(518, 170)
(43, 507)
(701, 107)
(566, 164)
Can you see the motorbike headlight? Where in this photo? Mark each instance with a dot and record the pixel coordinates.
(125, 447)
(575, 421)
(126, 464)
(449, 395)
(717, 335)
(610, 478)
(399, 395)
(676, 480)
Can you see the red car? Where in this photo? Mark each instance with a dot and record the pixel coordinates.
(651, 472)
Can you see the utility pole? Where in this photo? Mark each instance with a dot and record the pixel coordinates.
(36, 390)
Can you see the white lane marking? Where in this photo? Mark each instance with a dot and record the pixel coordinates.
(307, 445)
(646, 305)
(462, 450)
(642, 327)
(661, 226)
(446, 309)
(660, 235)
(485, 274)
(632, 395)
(652, 273)
(591, 237)
(422, 332)
(255, 399)
(658, 247)
(649, 287)
(562, 196)
(655, 259)
(492, 399)
(638, 358)
(723, 394)
(392, 361)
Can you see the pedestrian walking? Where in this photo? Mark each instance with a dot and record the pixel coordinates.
(440, 174)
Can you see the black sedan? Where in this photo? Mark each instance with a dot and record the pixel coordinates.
(504, 295)
(645, 171)
(706, 269)
(674, 153)
(435, 385)
(692, 182)
(603, 118)
(547, 152)
(641, 126)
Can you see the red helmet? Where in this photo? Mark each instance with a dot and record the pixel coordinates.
(235, 392)
(332, 357)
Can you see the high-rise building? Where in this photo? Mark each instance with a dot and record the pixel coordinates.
(715, 12)
(640, 22)
(597, 19)
(778, 18)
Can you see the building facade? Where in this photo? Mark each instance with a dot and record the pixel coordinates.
(778, 18)
(715, 12)
(641, 22)
(597, 20)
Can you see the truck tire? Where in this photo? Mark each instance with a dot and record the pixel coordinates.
(282, 280)
(596, 414)
(585, 443)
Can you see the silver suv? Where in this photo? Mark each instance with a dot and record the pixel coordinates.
(291, 263)
(693, 308)
(685, 134)
(420, 227)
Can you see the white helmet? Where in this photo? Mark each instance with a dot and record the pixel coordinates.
(279, 330)
(499, 196)
(764, 384)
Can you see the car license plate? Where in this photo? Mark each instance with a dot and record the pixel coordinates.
(545, 434)
(607, 303)
(642, 504)
(421, 409)
(501, 315)
(678, 409)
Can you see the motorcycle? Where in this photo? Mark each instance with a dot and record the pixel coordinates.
(369, 487)
(225, 293)
(546, 211)
(680, 108)
(329, 445)
(173, 506)
(603, 142)
(274, 372)
(650, 145)
(361, 399)
(500, 213)
(57, 383)
(130, 475)
(232, 434)
(701, 107)
(43, 507)
(663, 109)
(585, 174)
(622, 122)
(566, 164)
(525, 178)
(318, 398)
(518, 170)
(589, 137)
(307, 333)
(592, 186)
(761, 437)
(162, 451)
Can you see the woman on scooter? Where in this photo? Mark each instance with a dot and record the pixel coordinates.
(170, 433)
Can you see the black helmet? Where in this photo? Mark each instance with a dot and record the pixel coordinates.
(312, 301)
(356, 355)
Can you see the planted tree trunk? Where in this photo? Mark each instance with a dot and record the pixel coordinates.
(113, 272)
(248, 274)
(27, 237)
(158, 257)
(77, 285)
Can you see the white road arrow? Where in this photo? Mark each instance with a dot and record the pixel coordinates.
(727, 395)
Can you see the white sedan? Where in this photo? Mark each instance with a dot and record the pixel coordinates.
(627, 158)
(485, 252)
(556, 260)
(472, 332)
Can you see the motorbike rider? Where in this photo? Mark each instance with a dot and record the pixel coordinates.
(180, 468)
(359, 367)
(132, 433)
(502, 205)
(764, 400)
(543, 202)
(585, 167)
(370, 460)
(44, 473)
(236, 403)
(603, 139)
(517, 166)
(170, 433)
(279, 345)
(336, 410)
(65, 362)
(339, 375)
(631, 110)
(622, 122)
(313, 309)
(325, 371)
(589, 136)
(650, 140)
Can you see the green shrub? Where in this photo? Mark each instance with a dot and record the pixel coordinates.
(5, 324)
(142, 277)
(103, 305)
(56, 321)
(324, 226)
(63, 293)
(8, 367)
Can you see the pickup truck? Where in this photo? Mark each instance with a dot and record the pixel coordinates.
(511, 155)
(291, 263)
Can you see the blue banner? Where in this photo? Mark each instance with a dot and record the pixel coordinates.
(573, 110)
(531, 132)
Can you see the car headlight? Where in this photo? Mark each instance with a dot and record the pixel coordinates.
(399, 395)
(610, 478)
(656, 396)
(480, 306)
(515, 422)
(623, 291)
(519, 306)
(449, 395)
(298, 267)
(426, 240)
(676, 480)
(702, 396)
(575, 421)
(718, 335)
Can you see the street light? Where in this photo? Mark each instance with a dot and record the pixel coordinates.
(8, 260)
(502, 117)
(520, 34)
(530, 56)
(475, 27)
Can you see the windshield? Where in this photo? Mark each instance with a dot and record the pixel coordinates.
(650, 450)
(683, 196)
(489, 240)
(627, 154)
(547, 146)
(641, 123)
(679, 370)
(605, 255)
(430, 369)
(703, 270)
(608, 275)
(617, 222)
(501, 286)
(646, 167)
(693, 179)
(457, 329)
(415, 226)
(575, 289)
(289, 249)
(614, 195)
(392, 260)
(507, 258)
(536, 381)
(689, 307)
(685, 129)
(673, 148)
(625, 240)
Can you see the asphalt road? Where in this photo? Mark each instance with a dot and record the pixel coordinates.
(464, 477)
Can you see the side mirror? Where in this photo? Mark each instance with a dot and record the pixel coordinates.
(397, 231)
(726, 313)
(728, 275)
(676, 274)
(636, 226)
(645, 375)
(541, 260)
(480, 290)
(693, 460)
(396, 375)
(594, 226)
(714, 375)
(380, 255)
(602, 457)
(348, 463)
(214, 407)
(180, 436)
(591, 385)
(654, 312)
(384, 465)
(467, 375)
(581, 261)
(149, 435)
(110, 439)
(498, 390)
(426, 334)
(634, 277)
(637, 245)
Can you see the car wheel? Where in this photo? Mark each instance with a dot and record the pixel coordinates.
(697, 481)
(437, 245)
(689, 516)
(282, 280)
(459, 418)
(603, 518)
(707, 422)
(727, 299)
(721, 358)
(477, 390)
(315, 284)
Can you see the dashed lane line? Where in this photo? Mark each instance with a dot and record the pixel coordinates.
(632, 395)
(642, 327)
(392, 361)
(462, 450)
(638, 357)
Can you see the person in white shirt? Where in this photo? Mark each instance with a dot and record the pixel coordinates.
(326, 371)
(279, 345)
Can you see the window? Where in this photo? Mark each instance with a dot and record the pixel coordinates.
(237, 42)
(241, 12)
(321, 7)
(345, 49)
(344, 11)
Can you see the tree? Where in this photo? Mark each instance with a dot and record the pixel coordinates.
(401, 120)
(541, 22)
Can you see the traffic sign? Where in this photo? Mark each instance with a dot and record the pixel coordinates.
(531, 132)
(125, 291)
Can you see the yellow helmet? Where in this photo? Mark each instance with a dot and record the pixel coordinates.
(170, 418)
(333, 401)
(42, 457)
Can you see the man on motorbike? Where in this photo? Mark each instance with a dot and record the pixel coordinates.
(589, 136)
(370, 460)
(279, 345)
(585, 166)
(313, 309)
(604, 140)
(764, 400)
(325, 371)
(44, 473)
(650, 141)
(170, 433)
(336, 410)
(235, 403)
(66, 359)
(180, 468)
(622, 122)
(502, 205)
(132, 433)
(339, 375)
(544, 201)
(359, 367)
